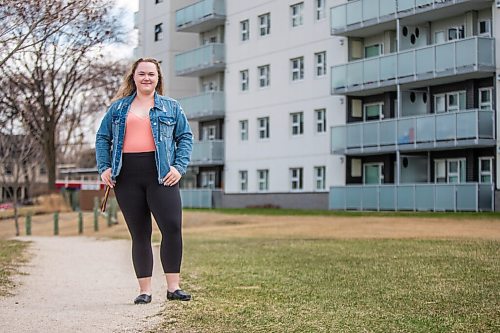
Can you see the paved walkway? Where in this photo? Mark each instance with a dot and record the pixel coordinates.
(78, 284)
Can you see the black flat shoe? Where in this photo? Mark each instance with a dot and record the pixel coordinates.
(178, 295)
(142, 299)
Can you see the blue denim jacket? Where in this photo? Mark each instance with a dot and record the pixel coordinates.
(171, 132)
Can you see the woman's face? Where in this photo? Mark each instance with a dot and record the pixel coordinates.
(146, 77)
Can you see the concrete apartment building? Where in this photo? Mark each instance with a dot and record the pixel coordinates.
(364, 104)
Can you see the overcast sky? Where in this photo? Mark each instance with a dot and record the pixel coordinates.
(126, 51)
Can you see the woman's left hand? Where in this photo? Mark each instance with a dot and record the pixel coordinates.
(172, 177)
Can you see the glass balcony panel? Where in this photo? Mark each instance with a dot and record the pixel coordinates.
(486, 51)
(203, 105)
(370, 197)
(339, 76)
(199, 11)
(485, 200)
(466, 197)
(464, 52)
(355, 74)
(338, 17)
(486, 124)
(445, 127)
(370, 134)
(337, 197)
(388, 132)
(406, 64)
(426, 131)
(388, 67)
(424, 197)
(406, 199)
(354, 135)
(405, 5)
(387, 7)
(338, 137)
(445, 197)
(425, 60)
(354, 12)
(370, 9)
(445, 59)
(196, 198)
(208, 152)
(387, 197)
(406, 131)
(371, 71)
(467, 125)
(353, 197)
(202, 57)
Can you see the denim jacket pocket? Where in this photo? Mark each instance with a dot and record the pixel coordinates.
(166, 127)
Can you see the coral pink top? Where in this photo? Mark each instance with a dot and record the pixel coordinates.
(138, 135)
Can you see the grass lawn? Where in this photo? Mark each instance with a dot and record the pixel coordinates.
(331, 285)
(11, 253)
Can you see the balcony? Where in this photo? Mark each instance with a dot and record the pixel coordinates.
(204, 107)
(204, 60)
(202, 16)
(369, 17)
(206, 153)
(470, 128)
(450, 62)
(413, 197)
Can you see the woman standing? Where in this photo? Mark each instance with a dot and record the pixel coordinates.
(143, 148)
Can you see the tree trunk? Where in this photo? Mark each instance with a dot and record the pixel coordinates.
(16, 217)
(49, 148)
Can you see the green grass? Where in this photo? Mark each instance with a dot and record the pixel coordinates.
(308, 285)
(11, 254)
(314, 212)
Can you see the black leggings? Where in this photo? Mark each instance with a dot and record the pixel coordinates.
(139, 194)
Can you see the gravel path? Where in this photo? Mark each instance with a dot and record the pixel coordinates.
(78, 284)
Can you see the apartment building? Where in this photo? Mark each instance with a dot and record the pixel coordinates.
(421, 95)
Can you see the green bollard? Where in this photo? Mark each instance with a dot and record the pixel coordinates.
(28, 224)
(56, 223)
(80, 222)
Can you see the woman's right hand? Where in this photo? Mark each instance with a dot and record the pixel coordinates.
(106, 178)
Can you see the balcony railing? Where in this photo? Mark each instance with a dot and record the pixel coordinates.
(457, 57)
(204, 60)
(360, 14)
(463, 128)
(201, 16)
(413, 197)
(198, 197)
(206, 106)
(210, 152)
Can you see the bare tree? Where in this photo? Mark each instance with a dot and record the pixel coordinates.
(18, 154)
(57, 79)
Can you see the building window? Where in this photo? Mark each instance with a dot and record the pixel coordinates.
(208, 179)
(158, 32)
(485, 99)
(449, 102)
(374, 50)
(243, 175)
(297, 65)
(244, 130)
(456, 33)
(263, 127)
(244, 80)
(320, 9)
(486, 170)
(297, 122)
(449, 171)
(158, 1)
(319, 178)
(296, 14)
(373, 173)
(439, 37)
(42, 171)
(296, 175)
(320, 117)
(264, 79)
(245, 30)
(373, 111)
(209, 132)
(320, 63)
(265, 24)
(485, 28)
(263, 180)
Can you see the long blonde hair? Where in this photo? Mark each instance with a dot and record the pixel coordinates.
(128, 86)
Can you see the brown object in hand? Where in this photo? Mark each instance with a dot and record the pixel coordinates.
(105, 200)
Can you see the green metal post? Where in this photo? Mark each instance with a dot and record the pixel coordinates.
(56, 223)
(96, 214)
(28, 224)
(80, 222)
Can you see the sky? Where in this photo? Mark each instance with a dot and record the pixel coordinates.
(126, 51)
